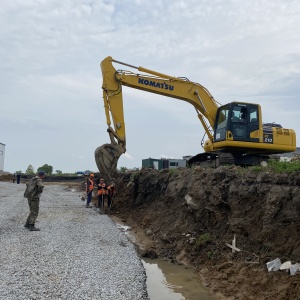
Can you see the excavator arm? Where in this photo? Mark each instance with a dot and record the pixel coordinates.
(205, 105)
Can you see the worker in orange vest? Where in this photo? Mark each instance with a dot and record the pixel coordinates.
(102, 193)
(89, 189)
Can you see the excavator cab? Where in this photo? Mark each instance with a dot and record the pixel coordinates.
(237, 122)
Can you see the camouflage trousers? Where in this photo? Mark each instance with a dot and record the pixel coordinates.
(34, 205)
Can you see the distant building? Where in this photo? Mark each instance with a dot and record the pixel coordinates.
(2, 154)
(170, 163)
(163, 163)
(155, 163)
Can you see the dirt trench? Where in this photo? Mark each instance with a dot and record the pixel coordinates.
(188, 216)
(261, 208)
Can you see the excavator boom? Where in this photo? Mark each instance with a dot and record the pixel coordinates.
(151, 81)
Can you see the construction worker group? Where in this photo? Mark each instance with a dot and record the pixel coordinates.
(35, 186)
(105, 192)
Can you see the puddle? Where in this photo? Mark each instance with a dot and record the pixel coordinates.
(173, 282)
(127, 231)
(170, 281)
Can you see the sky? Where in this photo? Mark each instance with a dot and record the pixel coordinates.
(51, 97)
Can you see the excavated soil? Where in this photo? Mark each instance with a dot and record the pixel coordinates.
(188, 216)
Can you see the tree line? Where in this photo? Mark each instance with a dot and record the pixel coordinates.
(48, 169)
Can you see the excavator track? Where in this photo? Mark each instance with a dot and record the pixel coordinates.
(219, 158)
(225, 158)
(212, 159)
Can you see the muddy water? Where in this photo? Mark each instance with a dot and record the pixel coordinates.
(173, 282)
(169, 281)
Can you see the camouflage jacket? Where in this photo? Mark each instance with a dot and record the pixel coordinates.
(34, 187)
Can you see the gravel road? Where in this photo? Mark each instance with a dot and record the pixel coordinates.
(78, 254)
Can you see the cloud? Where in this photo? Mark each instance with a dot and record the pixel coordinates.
(51, 96)
(128, 156)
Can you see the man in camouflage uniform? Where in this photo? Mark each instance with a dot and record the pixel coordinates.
(33, 192)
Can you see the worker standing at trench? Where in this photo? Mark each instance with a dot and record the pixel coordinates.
(102, 193)
(89, 189)
(34, 189)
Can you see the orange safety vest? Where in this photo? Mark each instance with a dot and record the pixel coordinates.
(102, 190)
(89, 185)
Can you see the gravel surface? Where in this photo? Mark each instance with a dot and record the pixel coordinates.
(78, 254)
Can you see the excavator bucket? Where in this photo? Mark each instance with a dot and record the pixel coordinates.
(107, 157)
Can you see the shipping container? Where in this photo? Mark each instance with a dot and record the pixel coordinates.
(177, 163)
(155, 163)
(163, 163)
(171, 163)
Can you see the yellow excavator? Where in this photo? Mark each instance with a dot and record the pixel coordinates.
(235, 131)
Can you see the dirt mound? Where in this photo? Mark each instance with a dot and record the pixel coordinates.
(296, 157)
(6, 177)
(190, 215)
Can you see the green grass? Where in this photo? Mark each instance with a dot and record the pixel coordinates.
(202, 240)
(287, 167)
(279, 167)
(172, 171)
(212, 254)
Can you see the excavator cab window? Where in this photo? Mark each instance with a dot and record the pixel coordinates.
(253, 119)
(253, 115)
(221, 123)
(244, 122)
(239, 121)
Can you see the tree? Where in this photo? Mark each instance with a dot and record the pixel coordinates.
(30, 170)
(46, 168)
(123, 169)
(59, 172)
